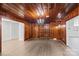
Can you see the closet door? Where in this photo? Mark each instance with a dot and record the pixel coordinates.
(21, 31)
(14, 31)
(6, 30)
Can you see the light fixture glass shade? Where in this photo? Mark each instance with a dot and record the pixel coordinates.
(40, 21)
(59, 15)
(47, 16)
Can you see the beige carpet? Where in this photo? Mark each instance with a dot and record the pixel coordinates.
(35, 48)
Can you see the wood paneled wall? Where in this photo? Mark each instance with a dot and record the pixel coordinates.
(63, 32)
(78, 9)
(0, 32)
(27, 31)
(36, 31)
(56, 31)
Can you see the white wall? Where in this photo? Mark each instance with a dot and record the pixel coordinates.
(72, 33)
(12, 30)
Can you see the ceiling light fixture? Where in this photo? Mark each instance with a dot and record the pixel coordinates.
(59, 26)
(40, 21)
(59, 15)
(63, 25)
(47, 16)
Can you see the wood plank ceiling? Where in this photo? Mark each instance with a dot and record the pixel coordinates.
(33, 11)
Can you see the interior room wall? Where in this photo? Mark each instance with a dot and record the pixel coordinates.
(27, 31)
(0, 31)
(63, 33)
(54, 31)
(39, 31)
(72, 34)
(78, 9)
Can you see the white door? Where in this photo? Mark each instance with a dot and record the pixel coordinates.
(21, 31)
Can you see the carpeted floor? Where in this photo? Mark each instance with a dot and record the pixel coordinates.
(36, 48)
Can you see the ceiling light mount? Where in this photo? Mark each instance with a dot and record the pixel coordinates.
(59, 15)
(40, 21)
(47, 16)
